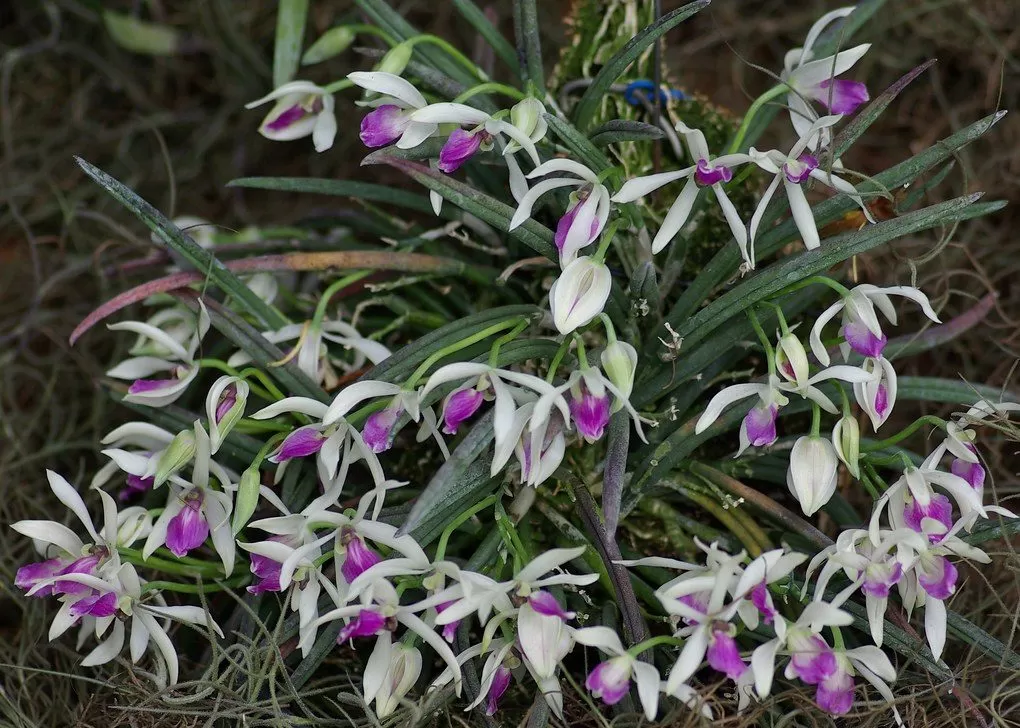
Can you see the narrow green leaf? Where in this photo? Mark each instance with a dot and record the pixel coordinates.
(624, 130)
(500, 45)
(340, 188)
(290, 34)
(724, 263)
(201, 259)
(991, 531)
(867, 116)
(529, 44)
(498, 214)
(794, 268)
(139, 36)
(614, 68)
(459, 480)
(965, 630)
(590, 155)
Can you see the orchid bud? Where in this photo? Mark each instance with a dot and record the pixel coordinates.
(332, 43)
(579, 294)
(877, 396)
(401, 674)
(396, 59)
(846, 438)
(812, 474)
(589, 409)
(619, 360)
(225, 407)
(300, 443)
(545, 640)
(247, 498)
(791, 359)
(459, 148)
(526, 115)
(178, 453)
(610, 680)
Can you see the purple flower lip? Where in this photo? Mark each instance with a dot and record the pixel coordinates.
(379, 428)
(358, 560)
(880, 578)
(881, 401)
(799, 170)
(937, 576)
(840, 96)
(610, 680)
(812, 660)
(939, 509)
(760, 425)
(706, 175)
(545, 603)
(460, 406)
(150, 385)
(724, 655)
(567, 221)
(287, 118)
(973, 473)
(459, 148)
(227, 401)
(762, 600)
(31, 574)
(96, 605)
(384, 126)
(862, 341)
(302, 442)
(188, 529)
(449, 630)
(84, 565)
(590, 413)
(500, 682)
(367, 623)
(835, 694)
(135, 485)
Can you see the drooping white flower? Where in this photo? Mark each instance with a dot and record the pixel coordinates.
(586, 213)
(706, 172)
(861, 329)
(301, 109)
(394, 105)
(877, 395)
(610, 680)
(391, 671)
(811, 476)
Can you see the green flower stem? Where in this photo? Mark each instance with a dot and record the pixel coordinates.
(880, 485)
(412, 381)
(725, 516)
(459, 521)
(654, 642)
(838, 287)
(607, 240)
(905, 433)
(264, 379)
(869, 486)
(505, 339)
(770, 355)
(365, 29)
(205, 570)
(451, 51)
(610, 329)
(270, 445)
(176, 586)
(229, 370)
(837, 639)
(341, 85)
(582, 355)
(843, 397)
(491, 87)
(752, 111)
(816, 419)
(335, 287)
(249, 426)
(555, 363)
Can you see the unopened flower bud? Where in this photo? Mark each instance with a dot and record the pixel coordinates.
(846, 438)
(396, 60)
(579, 294)
(178, 453)
(812, 474)
(619, 360)
(247, 498)
(526, 115)
(332, 43)
(791, 359)
(225, 407)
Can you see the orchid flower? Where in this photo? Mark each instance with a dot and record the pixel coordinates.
(495, 677)
(793, 170)
(301, 109)
(877, 395)
(194, 512)
(224, 405)
(835, 693)
(544, 639)
(147, 443)
(580, 293)
(706, 172)
(811, 477)
(379, 427)
(593, 397)
(610, 680)
(391, 671)
(525, 128)
(768, 568)
(586, 213)
(313, 354)
(539, 441)
(178, 322)
(395, 104)
(861, 329)
(180, 363)
(813, 79)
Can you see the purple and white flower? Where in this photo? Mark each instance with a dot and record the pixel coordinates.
(877, 395)
(395, 100)
(301, 109)
(610, 680)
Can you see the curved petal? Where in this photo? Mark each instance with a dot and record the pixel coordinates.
(640, 186)
(677, 216)
(389, 84)
(723, 399)
(524, 209)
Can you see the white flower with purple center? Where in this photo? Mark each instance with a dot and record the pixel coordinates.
(394, 100)
(706, 172)
(792, 170)
(877, 395)
(301, 109)
(378, 430)
(179, 366)
(861, 329)
(390, 673)
(813, 80)
(768, 568)
(835, 693)
(610, 680)
(586, 214)
(224, 406)
(758, 427)
(544, 641)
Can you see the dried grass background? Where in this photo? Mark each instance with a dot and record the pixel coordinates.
(175, 130)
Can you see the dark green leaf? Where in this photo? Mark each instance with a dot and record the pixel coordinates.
(529, 44)
(578, 143)
(200, 258)
(965, 630)
(615, 66)
(340, 188)
(474, 15)
(623, 130)
(290, 33)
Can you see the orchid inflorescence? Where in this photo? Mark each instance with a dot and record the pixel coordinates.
(339, 558)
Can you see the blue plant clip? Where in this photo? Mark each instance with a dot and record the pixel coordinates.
(666, 95)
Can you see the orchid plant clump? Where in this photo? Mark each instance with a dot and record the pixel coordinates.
(397, 443)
